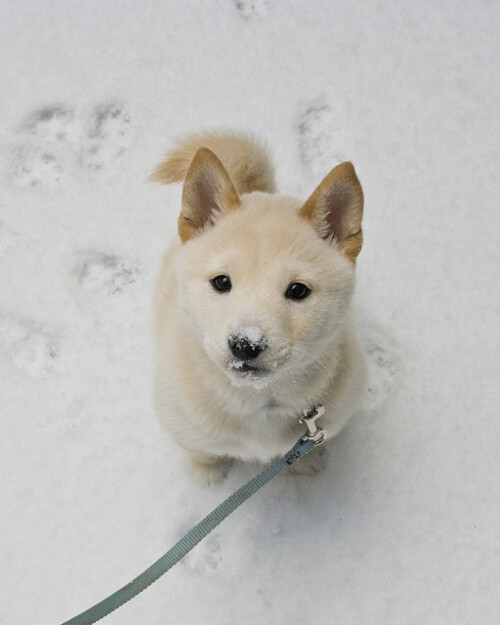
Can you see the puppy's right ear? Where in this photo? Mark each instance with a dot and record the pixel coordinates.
(208, 194)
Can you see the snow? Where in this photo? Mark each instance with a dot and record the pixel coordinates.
(402, 526)
(251, 334)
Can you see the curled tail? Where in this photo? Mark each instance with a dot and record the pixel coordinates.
(246, 159)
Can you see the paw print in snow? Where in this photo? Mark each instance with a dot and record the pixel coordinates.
(45, 158)
(105, 274)
(382, 366)
(54, 123)
(323, 143)
(33, 166)
(109, 137)
(31, 349)
(103, 286)
(205, 557)
(252, 8)
(54, 146)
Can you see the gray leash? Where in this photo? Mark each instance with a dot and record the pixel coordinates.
(313, 437)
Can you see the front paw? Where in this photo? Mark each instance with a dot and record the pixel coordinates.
(208, 470)
(313, 463)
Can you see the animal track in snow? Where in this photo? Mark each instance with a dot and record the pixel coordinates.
(382, 365)
(56, 123)
(322, 142)
(110, 136)
(103, 286)
(33, 166)
(206, 557)
(31, 349)
(54, 145)
(105, 274)
(250, 9)
(45, 158)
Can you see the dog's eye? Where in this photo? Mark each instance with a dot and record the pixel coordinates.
(297, 290)
(221, 283)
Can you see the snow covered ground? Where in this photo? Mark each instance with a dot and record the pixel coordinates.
(403, 526)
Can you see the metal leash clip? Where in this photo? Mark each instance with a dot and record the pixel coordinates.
(314, 430)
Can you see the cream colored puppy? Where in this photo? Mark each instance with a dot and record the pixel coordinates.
(252, 306)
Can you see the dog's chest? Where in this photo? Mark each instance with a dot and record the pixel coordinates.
(267, 429)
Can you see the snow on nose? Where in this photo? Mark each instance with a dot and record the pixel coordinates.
(247, 343)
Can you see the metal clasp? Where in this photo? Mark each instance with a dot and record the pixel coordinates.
(314, 430)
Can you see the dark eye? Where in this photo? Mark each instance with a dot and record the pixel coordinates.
(297, 290)
(221, 283)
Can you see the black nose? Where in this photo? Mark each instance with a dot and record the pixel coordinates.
(245, 349)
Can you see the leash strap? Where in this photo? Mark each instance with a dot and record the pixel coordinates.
(210, 522)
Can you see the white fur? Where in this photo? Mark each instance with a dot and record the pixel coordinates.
(213, 408)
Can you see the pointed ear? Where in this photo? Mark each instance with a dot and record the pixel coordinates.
(208, 193)
(335, 210)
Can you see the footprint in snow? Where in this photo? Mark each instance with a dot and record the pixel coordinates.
(33, 166)
(54, 145)
(54, 123)
(104, 288)
(251, 9)
(45, 157)
(205, 557)
(323, 142)
(383, 365)
(109, 137)
(31, 349)
(105, 274)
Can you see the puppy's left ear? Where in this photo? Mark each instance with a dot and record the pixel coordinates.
(335, 210)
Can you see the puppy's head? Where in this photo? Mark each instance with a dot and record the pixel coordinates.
(265, 280)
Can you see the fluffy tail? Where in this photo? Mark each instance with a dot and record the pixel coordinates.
(246, 160)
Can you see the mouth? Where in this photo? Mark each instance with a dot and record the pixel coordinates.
(242, 373)
(245, 369)
(256, 372)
